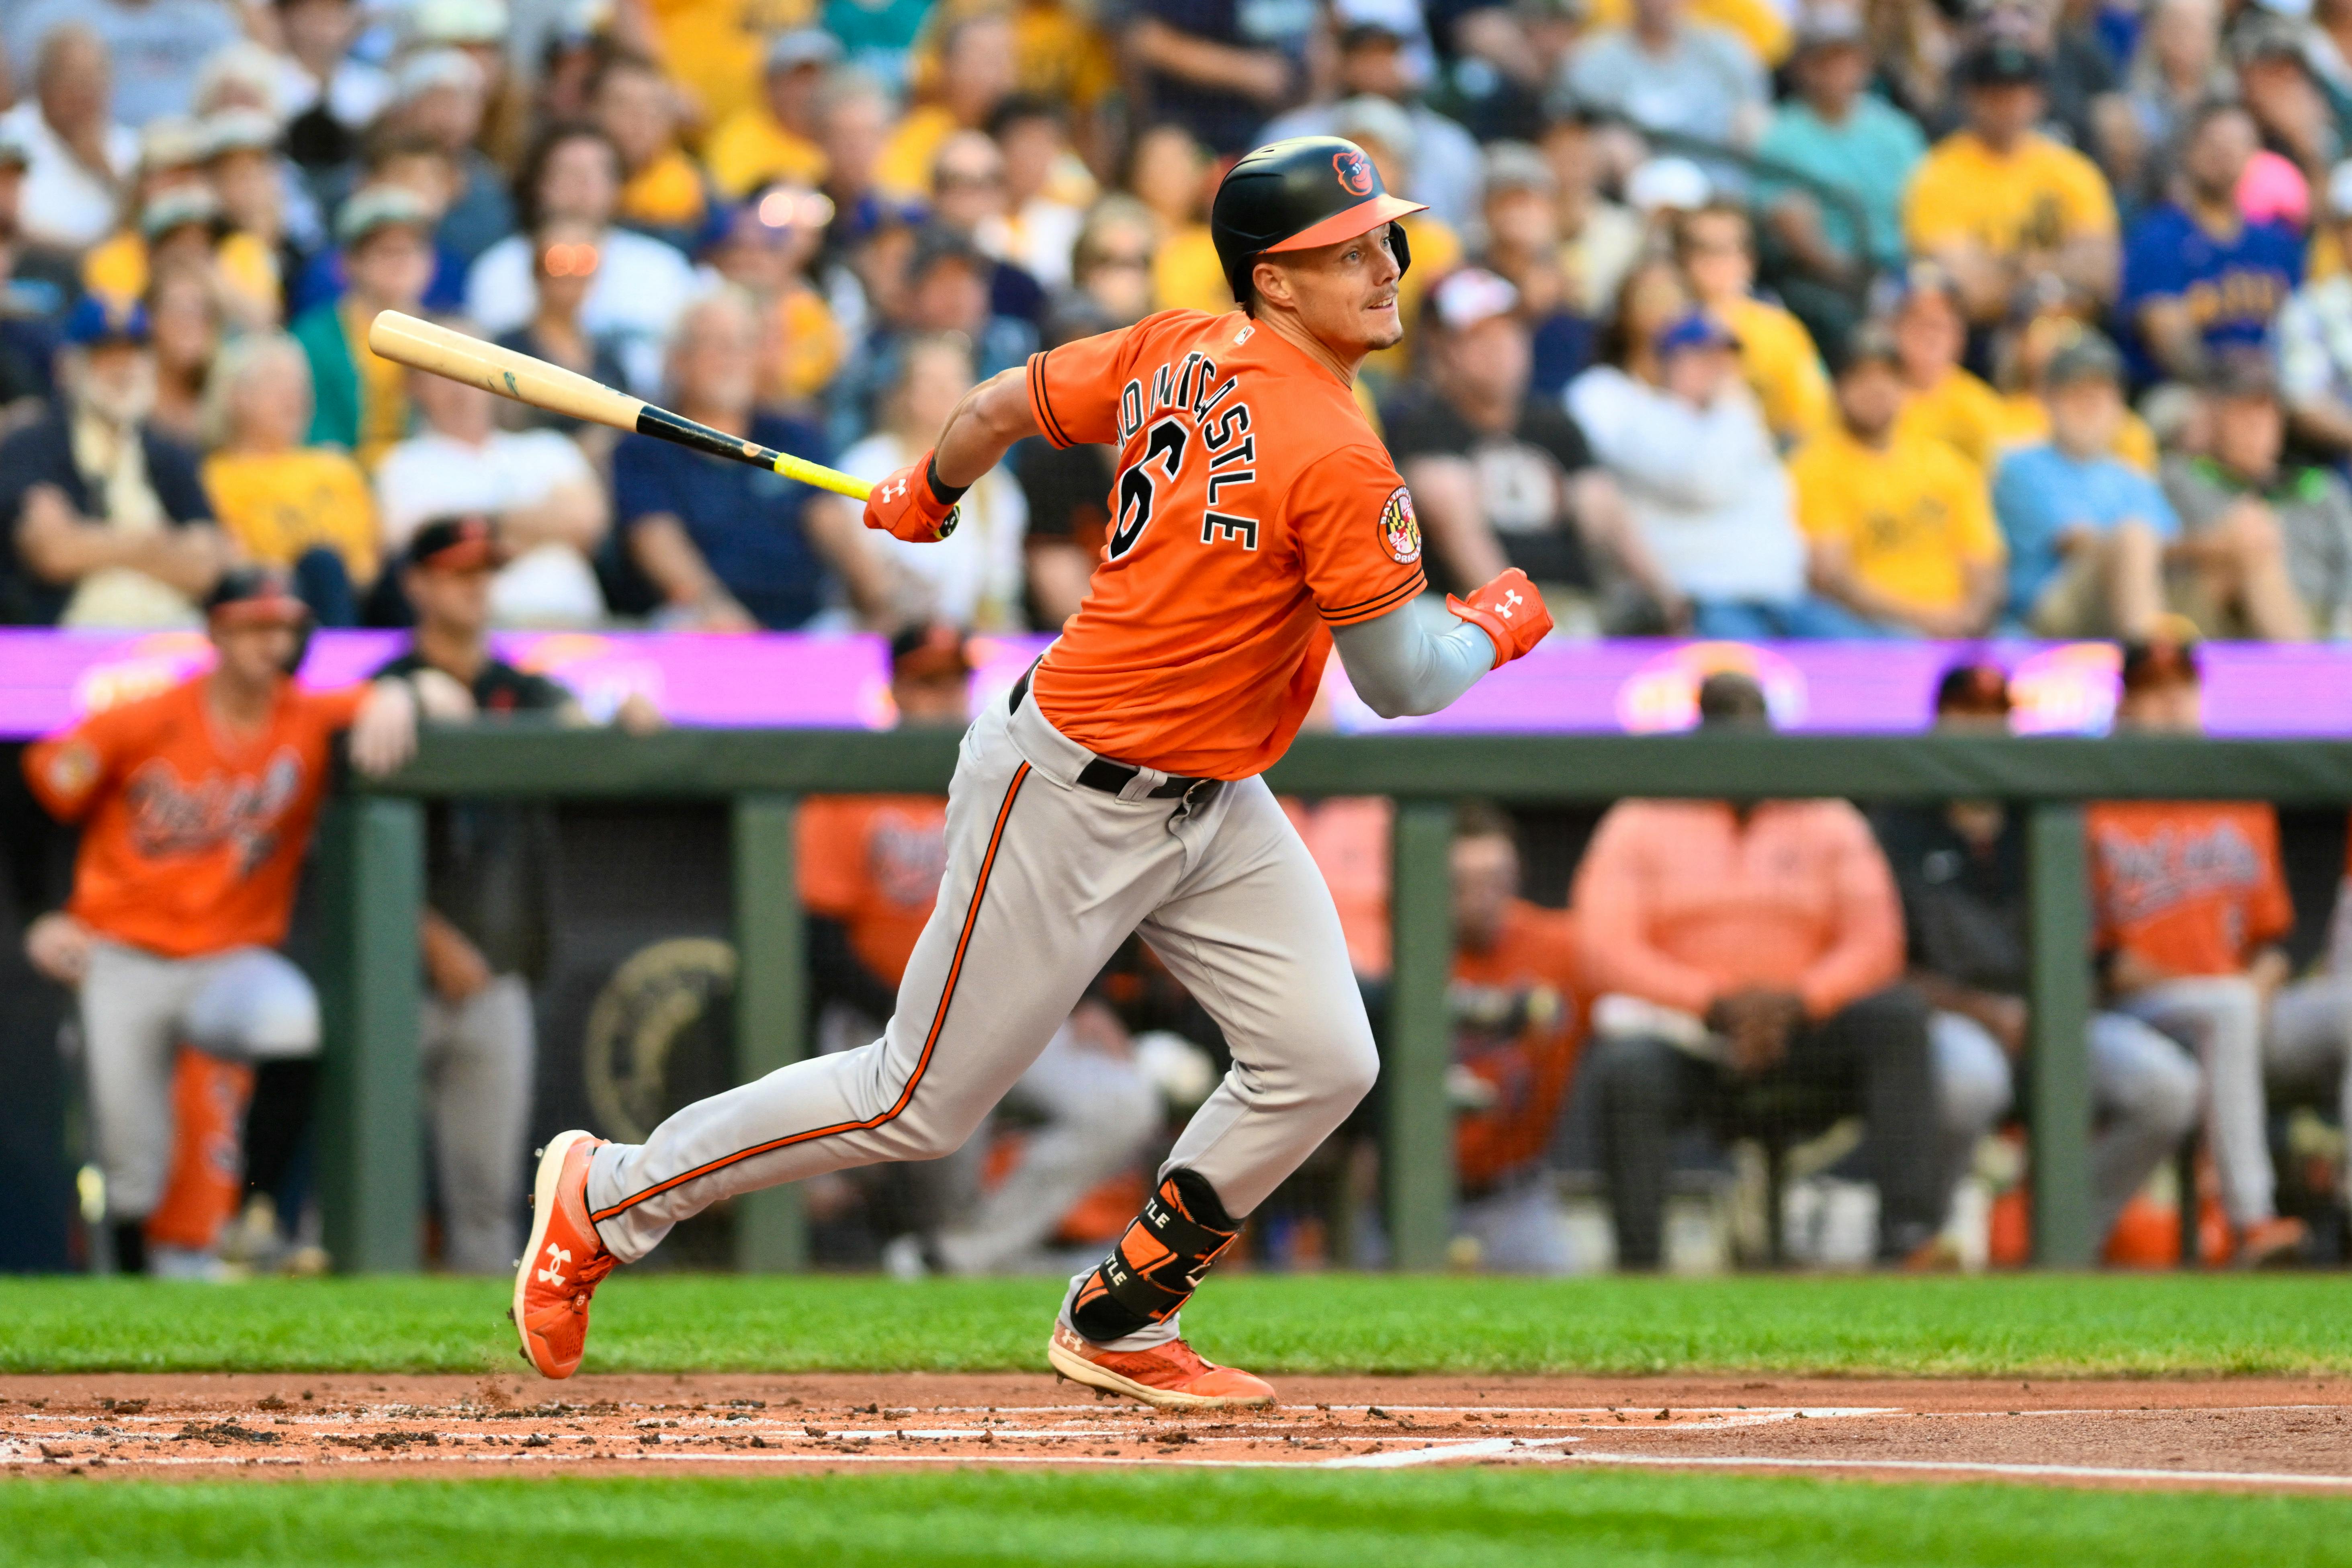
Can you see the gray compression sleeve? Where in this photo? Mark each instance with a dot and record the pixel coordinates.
(1399, 668)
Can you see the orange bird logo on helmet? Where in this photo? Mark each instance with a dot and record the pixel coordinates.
(1355, 172)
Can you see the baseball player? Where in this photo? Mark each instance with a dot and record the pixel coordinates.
(1255, 523)
(196, 805)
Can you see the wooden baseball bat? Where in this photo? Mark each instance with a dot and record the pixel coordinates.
(421, 345)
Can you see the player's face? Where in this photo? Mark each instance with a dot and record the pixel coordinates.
(2174, 707)
(1486, 879)
(1344, 294)
(454, 601)
(254, 656)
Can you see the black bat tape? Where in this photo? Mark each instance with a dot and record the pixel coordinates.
(668, 426)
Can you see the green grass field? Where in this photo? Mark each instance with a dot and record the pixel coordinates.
(1482, 1518)
(2043, 1325)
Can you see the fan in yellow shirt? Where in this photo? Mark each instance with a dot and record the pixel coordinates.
(711, 48)
(1715, 249)
(188, 221)
(1900, 528)
(1058, 53)
(277, 498)
(775, 137)
(977, 72)
(2000, 205)
(662, 192)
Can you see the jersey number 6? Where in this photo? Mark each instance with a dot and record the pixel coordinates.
(1137, 489)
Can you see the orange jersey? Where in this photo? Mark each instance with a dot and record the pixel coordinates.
(192, 837)
(1254, 510)
(874, 863)
(2191, 887)
(1535, 954)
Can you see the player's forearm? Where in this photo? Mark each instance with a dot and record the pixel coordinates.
(983, 428)
(1399, 668)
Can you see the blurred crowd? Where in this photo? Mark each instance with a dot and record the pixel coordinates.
(1734, 318)
(1986, 314)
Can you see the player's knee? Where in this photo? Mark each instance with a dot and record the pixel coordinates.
(1347, 1071)
(261, 1008)
(2165, 1096)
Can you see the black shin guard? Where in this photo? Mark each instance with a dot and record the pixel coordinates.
(1158, 1262)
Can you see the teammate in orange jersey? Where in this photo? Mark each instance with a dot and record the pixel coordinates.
(196, 805)
(2191, 902)
(1256, 520)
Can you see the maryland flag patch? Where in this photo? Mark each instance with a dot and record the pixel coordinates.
(1400, 530)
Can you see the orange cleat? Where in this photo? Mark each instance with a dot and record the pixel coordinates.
(566, 1258)
(2273, 1242)
(1171, 1377)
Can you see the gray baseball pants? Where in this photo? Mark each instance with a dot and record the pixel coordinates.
(1045, 878)
(247, 1005)
(477, 1056)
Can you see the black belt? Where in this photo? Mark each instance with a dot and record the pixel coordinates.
(1111, 777)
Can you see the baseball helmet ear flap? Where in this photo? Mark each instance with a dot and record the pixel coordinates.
(1401, 248)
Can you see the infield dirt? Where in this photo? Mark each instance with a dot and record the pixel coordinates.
(2288, 1435)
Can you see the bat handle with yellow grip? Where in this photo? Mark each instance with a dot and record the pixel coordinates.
(823, 477)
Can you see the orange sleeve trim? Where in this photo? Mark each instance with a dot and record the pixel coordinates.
(1042, 407)
(1348, 615)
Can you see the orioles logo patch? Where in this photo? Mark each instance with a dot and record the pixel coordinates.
(1355, 172)
(1400, 530)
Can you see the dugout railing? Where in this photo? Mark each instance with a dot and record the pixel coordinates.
(371, 874)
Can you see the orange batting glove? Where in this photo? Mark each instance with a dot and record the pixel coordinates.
(913, 505)
(1510, 611)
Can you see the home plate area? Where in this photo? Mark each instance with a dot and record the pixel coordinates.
(2273, 1433)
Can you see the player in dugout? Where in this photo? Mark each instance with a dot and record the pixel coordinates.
(870, 868)
(1260, 523)
(196, 805)
(486, 870)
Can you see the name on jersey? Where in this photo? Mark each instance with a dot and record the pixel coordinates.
(171, 817)
(1189, 413)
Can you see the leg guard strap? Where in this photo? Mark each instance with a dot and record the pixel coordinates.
(1158, 1261)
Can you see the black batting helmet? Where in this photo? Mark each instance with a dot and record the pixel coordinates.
(1296, 195)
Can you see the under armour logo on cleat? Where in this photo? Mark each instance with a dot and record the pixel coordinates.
(557, 1257)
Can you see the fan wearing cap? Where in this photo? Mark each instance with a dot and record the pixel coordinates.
(1961, 870)
(2189, 903)
(487, 865)
(2199, 277)
(2000, 205)
(386, 234)
(1722, 533)
(195, 807)
(108, 520)
(1900, 528)
(173, 217)
(2265, 547)
(2086, 533)
(1502, 477)
(775, 136)
(870, 869)
(1118, 786)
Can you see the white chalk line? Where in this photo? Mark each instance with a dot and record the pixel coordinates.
(2014, 1470)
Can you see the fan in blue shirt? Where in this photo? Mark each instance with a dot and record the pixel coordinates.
(2198, 278)
(2086, 530)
